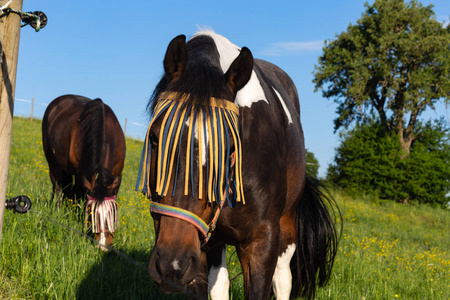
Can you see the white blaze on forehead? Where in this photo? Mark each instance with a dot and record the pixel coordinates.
(288, 114)
(227, 50)
(218, 282)
(205, 138)
(282, 277)
(252, 91)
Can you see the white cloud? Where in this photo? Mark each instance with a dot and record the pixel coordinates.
(285, 48)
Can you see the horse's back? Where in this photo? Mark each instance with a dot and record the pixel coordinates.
(65, 106)
(283, 81)
(59, 118)
(61, 124)
(60, 115)
(284, 111)
(79, 131)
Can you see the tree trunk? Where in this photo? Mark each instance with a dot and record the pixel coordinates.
(408, 135)
(405, 135)
(405, 144)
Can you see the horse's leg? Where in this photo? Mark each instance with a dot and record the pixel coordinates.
(215, 270)
(56, 187)
(258, 258)
(56, 177)
(62, 186)
(218, 281)
(282, 277)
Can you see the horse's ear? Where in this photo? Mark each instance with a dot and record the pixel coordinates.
(240, 70)
(116, 184)
(176, 57)
(87, 184)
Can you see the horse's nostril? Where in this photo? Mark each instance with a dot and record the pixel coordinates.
(193, 260)
(158, 267)
(154, 267)
(192, 268)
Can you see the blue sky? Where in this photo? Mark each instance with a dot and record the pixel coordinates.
(113, 50)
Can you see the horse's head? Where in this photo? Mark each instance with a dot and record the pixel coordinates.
(189, 154)
(102, 184)
(102, 189)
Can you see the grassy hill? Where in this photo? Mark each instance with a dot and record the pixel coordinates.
(387, 250)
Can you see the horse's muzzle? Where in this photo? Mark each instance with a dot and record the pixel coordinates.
(173, 272)
(105, 238)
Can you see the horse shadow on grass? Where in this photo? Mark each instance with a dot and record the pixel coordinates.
(114, 277)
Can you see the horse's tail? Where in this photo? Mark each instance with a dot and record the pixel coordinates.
(92, 131)
(317, 237)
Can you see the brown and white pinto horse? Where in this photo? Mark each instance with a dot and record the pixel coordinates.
(216, 109)
(85, 150)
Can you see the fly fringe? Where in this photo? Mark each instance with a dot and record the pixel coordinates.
(104, 214)
(211, 126)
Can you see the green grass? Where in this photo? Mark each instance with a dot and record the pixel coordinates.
(387, 250)
(391, 251)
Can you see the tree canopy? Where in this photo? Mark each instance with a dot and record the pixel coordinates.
(395, 62)
(369, 160)
(312, 164)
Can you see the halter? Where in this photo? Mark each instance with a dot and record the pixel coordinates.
(185, 215)
(211, 125)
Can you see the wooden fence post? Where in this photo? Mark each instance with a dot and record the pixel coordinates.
(9, 52)
(32, 106)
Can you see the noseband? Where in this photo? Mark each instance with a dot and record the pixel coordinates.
(185, 215)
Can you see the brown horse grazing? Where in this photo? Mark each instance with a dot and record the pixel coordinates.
(85, 150)
(224, 163)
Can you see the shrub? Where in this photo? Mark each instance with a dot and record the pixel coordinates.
(369, 159)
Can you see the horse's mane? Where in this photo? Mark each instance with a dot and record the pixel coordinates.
(203, 77)
(92, 131)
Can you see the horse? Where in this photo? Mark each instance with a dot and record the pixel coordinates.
(85, 149)
(224, 163)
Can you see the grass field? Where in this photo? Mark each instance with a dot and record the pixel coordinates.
(387, 250)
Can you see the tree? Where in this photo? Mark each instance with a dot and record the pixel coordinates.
(394, 62)
(369, 160)
(312, 164)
